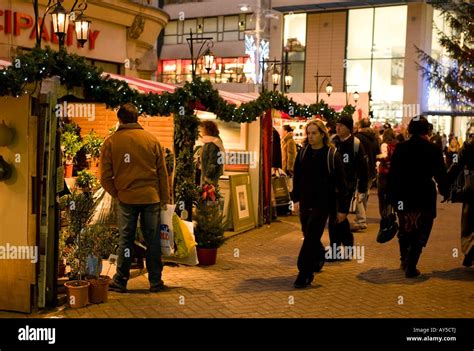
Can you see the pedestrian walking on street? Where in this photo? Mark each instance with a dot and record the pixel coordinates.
(412, 191)
(356, 169)
(319, 192)
(133, 170)
(369, 139)
(288, 150)
(466, 164)
(389, 142)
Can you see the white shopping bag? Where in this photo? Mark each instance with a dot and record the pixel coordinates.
(166, 230)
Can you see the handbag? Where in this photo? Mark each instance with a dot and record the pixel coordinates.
(388, 226)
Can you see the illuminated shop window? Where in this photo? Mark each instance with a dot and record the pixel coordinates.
(376, 57)
(294, 39)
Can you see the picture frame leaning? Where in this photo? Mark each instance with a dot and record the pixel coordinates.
(242, 205)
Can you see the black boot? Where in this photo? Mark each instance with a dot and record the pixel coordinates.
(413, 256)
(303, 280)
(403, 243)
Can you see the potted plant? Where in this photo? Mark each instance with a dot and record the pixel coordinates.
(92, 146)
(79, 209)
(209, 230)
(100, 242)
(70, 144)
(86, 181)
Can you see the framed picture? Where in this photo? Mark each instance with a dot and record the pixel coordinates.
(241, 200)
(224, 191)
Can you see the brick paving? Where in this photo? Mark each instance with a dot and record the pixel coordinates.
(255, 272)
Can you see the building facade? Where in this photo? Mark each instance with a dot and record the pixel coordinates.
(367, 47)
(131, 28)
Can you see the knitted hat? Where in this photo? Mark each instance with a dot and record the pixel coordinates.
(347, 121)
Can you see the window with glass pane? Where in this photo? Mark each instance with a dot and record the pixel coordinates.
(390, 32)
(210, 25)
(358, 75)
(171, 28)
(359, 33)
(387, 80)
(231, 23)
(295, 32)
(189, 25)
(297, 72)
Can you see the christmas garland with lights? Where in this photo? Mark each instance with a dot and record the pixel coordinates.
(74, 71)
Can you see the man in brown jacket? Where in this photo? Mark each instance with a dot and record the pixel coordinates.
(132, 169)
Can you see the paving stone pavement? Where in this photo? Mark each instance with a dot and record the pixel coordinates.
(254, 277)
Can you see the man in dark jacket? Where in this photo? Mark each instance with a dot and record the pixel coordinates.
(369, 139)
(412, 192)
(355, 165)
(466, 164)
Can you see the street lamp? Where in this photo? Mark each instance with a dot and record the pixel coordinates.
(355, 94)
(288, 81)
(275, 77)
(207, 55)
(263, 64)
(318, 87)
(61, 18)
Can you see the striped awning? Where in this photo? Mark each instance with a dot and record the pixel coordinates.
(4, 63)
(143, 85)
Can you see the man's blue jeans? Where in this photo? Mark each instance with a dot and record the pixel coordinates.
(150, 227)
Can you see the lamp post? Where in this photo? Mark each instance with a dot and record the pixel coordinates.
(61, 18)
(207, 54)
(329, 87)
(263, 64)
(355, 95)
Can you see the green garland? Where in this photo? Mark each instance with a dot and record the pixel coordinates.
(74, 71)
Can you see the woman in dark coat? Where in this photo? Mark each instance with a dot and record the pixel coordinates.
(212, 156)
(412, 191)
(319, 190)
(466, 163)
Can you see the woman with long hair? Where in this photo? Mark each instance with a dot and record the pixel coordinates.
(319, 192)
(212, 154)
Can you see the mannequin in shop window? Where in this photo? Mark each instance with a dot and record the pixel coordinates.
(212, 153)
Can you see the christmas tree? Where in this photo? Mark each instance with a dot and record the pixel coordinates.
(209, 229)
(452, 74)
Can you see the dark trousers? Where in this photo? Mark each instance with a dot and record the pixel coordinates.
(312, 251)
(414, 232)
(382, 193)
(150, 227)
(467, 229)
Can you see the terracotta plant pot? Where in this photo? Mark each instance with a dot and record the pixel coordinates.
(68, 170)
(77, 293)
(206, 257)
(99, 289)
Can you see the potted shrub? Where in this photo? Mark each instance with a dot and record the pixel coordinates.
(100, 242)
(79, 209)
(86, 181)
(92, 146)
(77, 290)
(209, 230)
(70, 144)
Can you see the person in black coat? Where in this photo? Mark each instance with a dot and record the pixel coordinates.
(466, 163)
(319, 191)
(412, 191)
(276, 150)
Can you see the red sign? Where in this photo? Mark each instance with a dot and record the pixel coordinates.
(17, 23)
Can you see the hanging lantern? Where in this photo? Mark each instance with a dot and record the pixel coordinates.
(356, 97)
(208, 60)
(6, 134)
(329, 89)
(60, 21)
(82, 27)
(288, 81)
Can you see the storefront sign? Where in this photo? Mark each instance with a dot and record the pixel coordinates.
(21, 24)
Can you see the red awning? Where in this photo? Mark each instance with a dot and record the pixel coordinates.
(143, 85)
